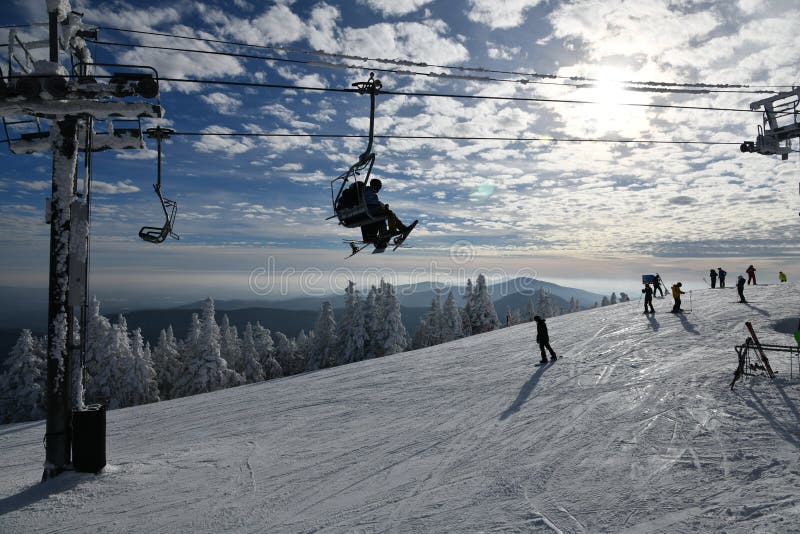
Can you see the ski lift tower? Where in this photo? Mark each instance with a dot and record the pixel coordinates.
(781, 124)
(70, 102)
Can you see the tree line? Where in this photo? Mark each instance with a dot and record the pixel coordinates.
(122, 369)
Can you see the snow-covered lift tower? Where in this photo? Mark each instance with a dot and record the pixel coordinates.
(781, 124)
(71, 101)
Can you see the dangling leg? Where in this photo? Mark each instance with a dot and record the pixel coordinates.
(395, 226)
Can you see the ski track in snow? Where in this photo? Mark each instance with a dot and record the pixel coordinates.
(633, 429)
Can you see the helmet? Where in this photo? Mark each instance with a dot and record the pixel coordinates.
(375, 184)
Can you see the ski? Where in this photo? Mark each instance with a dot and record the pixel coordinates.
(402, 237)
(355, 248)
(760, 350)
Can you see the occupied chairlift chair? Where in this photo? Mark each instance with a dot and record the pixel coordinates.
(156, 234)
(349, 204)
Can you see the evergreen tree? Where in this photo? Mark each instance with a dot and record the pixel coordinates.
(264, 344)
(484, 317)
(24, 382)
(467, 315)
(613, 299)
(167, 363)
(452, 323)
(352, 342)
(142, 384)
(230, 345)
(435, 323)
(286, 354)
(391, 336)
(604, 302)
(251, 366)
(322, 353)
(120, 360)
(99, 362)
(421, 335)
(372, 322)
(205, 370)
(530, 311)
(544, 306)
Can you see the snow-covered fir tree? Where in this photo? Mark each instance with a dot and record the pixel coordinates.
(99, 362)
(352, 331)
(420, 339)
(251, 366)
(432, 327)
(372, 321)
(483, 315)
(390, 336)
(573, 305)
(23, 383)
(302, 344)
(265, 346)
(605, 301)
(230, 346)
(530, 310)
(452, 324)
(141, 382)
(322, 352)
(120, 362)
(466, 312)
(544, 305)
(167, 363)
(286, 354)
(613, 299)
(205, 370)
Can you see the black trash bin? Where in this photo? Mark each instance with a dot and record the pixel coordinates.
(89, 438)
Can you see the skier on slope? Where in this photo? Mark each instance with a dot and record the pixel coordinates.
(658, 285)
(751, 275)
(648, 299)
(713, 274)
(676, 294)
(543, 339)
(740, 288)
(722, 274)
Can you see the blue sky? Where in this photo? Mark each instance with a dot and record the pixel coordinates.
(588, 214)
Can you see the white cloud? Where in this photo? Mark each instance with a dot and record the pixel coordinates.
(414, 41)
(112, 189)
(500, 13)
(223, 103)
(395, 7)
(231, 145)
(36, 185)
(499, 51)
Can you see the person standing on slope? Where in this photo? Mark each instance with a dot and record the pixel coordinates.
(543, 339)
(722, 278)
(740, 288)
(658, 285)
(781, 276)
(713, 274)
(676, 294)
(751, 275)
(648, 299)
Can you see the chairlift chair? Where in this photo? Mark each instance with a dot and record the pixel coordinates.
(157, 234)
(347, 189)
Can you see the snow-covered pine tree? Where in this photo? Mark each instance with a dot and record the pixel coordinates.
(544, 306)
(530, 310)
(452, 324)
(99, 362)
(251, 367)
(167, 363)
(605, 301)
(466, 313)
(285, 354)
(574, 306)
(392, 336)
(142, 383)
(302, 343)
(264, 344)
(435, 323)
(372, 320)
(205, 370)
(420, 340)
(120, 362)
(613, 299)
(484, 317)
(322, 352)
(23, 384)
(352, 342)
(230, 346)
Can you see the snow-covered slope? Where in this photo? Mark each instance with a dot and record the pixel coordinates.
(633, 429)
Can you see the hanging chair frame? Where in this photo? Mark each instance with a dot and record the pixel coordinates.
(157, 234)
(347, 189)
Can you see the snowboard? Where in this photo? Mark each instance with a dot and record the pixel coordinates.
(402, 237)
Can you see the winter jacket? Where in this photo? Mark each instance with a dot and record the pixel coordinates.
(371, 199)
(676, 292)
(541, 332)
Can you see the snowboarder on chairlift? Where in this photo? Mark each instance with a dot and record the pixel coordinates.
(676, 294)
(376, 207)
(543, 339)
(713, 274)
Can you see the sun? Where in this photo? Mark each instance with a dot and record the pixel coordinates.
(608, 94)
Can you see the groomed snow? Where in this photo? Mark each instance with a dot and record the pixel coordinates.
(633, 430)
